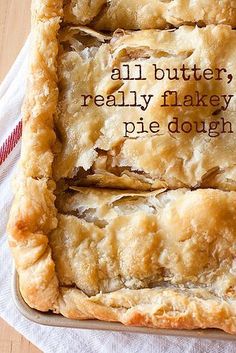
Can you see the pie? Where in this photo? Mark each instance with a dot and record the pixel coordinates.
(116, 216)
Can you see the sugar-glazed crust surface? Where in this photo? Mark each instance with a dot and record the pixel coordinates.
(162, 258)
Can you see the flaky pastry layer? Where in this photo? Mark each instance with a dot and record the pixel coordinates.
(159, 258)
(103, 154)
(146, 14)
(163, 258)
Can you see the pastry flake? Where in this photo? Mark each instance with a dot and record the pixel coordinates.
(146, 14)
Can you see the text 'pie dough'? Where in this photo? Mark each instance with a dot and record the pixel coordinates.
(93, 147)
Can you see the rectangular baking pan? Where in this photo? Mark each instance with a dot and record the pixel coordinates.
(50, 319)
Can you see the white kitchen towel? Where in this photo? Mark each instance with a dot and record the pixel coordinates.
(60, 340)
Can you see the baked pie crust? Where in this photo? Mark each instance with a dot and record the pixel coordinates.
(160, 253)
(103, 156)
(145, 14)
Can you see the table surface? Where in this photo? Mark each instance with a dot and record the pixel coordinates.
(14, 28)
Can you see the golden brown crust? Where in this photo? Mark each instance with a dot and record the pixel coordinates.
(42, 92)
(33, 214)
(108, 240)
(161, 259)
(146, 14)
(168, 308)
(144, 239)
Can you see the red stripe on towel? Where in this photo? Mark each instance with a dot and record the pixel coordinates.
(10, 142)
